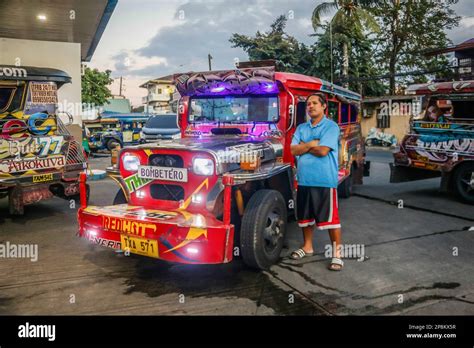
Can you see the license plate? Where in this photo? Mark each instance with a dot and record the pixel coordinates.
(42, 178)
(141, 246)
(163, 173)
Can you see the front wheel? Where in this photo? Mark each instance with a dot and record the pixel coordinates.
(464, 182)
(263, 229)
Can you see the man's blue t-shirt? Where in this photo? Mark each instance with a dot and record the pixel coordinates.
(318, 171)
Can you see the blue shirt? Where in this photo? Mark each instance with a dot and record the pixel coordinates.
(318, 171)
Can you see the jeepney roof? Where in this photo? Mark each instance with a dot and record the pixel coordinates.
(30, 73)
(299, 81)
(259, 80)
(451, 87)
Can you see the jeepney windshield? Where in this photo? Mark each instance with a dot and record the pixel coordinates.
(234, 109)
(6, 96)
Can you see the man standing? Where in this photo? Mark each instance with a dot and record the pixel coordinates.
(316, 145)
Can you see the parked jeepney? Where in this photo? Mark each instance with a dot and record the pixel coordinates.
(114, 129)
(39, 158)
(229, 181)
(441, 141)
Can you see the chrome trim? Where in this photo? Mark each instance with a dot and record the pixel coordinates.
(261, 175)
(294, 108)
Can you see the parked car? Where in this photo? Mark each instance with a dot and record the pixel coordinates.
(160, 127)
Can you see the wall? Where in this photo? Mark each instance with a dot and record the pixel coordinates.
(58, 55)
(399, 125)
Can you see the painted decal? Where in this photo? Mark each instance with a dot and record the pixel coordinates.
(23, 165)
(31, 147)
(128, 211)
(127, 226)
(134, 182)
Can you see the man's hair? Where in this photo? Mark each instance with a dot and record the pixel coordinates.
(321, 96)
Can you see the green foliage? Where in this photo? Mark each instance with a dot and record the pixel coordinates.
(289, 54)
(381, 38)
(94, 86)
(408, 29)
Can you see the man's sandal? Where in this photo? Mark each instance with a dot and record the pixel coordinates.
(336, 264)
(299, 254)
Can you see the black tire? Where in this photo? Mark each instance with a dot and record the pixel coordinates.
(120, 198)
(111, 144)
(263, 229)
(344, 190)
(462, 182)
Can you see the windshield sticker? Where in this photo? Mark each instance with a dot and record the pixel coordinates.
(44, 93)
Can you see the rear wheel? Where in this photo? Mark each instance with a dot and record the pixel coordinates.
(120, 198)
(263, 229)
(464, 182)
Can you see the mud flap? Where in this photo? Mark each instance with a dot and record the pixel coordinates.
(15, 201)
(405, 174)
(367, 168)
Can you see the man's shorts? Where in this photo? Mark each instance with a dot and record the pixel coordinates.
(317, 205)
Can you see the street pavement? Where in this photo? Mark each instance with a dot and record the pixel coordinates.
(415, 257)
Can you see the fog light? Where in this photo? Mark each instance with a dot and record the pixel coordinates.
(192, 250)
(197, 198)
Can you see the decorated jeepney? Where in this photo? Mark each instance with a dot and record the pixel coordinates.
(441, 140)
(39, 159)
(226, 188)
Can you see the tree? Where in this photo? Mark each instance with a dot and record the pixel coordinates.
(289, 54)
(94, 86)
(329, 63)
(408, 29)
(350, 21)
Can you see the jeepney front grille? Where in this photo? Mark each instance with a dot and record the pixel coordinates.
(167, 192)
(162, 160)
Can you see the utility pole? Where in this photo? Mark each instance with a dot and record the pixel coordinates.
(209, 57)
(120, 91)
(330, 39)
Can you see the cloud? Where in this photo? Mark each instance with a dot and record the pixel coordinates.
(204, 27)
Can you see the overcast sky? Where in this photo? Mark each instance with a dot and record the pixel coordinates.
(146, 39)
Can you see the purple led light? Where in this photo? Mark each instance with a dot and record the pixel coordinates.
(269, 86)
(217, 89)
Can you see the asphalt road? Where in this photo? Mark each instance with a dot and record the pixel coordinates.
(417, 245)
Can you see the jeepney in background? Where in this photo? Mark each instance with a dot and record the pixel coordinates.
(114, 129)
(441, 142)
(39, 158)
(227, 187)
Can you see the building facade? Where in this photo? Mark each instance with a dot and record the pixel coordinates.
(159, 98)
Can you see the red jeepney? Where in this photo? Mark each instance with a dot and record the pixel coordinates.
(227, 186)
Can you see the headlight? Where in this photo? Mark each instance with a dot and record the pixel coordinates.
(130, 162)
(203, 166)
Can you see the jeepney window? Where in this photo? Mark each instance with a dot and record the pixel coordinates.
(6, 97)
(333, 111)
(354, 113)
(344, 113)
(463, 109)
(301, 113)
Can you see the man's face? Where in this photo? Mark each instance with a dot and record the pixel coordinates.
(314, 108)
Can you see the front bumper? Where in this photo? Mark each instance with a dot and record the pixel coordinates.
(178, 235)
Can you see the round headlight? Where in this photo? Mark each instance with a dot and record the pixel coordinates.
(130, 162)
(203, 166)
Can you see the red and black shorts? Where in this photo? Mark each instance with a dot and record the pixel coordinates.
(317, 205)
